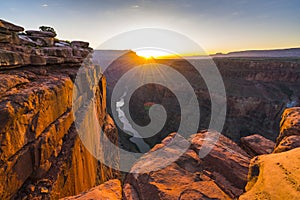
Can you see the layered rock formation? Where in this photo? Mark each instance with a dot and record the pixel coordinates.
(257, 145)
(37, 48)
(42, 156)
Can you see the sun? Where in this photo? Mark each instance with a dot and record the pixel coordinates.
(151, 53)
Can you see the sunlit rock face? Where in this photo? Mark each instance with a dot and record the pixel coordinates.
(41, 154)
(222, 174)
(110, 190)
(39, 143)
(275, 176)
(289, 137)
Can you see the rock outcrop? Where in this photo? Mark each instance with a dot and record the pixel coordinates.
(276, 176)
(37, 48)
(289, 136)
(41, 154)
(222, 174)
(256, 145)
(110, 190)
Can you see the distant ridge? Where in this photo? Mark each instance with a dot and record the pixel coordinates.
(291, 52)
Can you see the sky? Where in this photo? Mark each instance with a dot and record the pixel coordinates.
(216, 25)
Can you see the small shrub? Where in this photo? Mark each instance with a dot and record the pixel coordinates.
(47, 29)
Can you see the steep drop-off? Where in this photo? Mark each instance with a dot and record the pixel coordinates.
(276, 176)
(41, 154)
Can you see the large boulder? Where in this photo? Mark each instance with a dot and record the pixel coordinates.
(226, 161)
(257, 145)
(221, 174)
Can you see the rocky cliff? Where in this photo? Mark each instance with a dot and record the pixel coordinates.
(276, 176)
(42, 155)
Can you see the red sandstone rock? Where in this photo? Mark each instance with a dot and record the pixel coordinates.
(10, 59)
(9, 26)
(110, 190)
(289, 135)
(39, 142)
(36, 48)
(288, 143)
(257, 145)
(274, 176)
(221, 174)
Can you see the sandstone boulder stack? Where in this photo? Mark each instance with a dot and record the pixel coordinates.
(37, 48)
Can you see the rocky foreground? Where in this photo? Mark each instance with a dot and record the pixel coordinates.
(227, 172)
(42, 156)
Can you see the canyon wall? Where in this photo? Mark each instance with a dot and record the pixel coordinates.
(258, 90)
(42, 155)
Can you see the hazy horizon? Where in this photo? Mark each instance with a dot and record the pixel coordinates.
(218, 26)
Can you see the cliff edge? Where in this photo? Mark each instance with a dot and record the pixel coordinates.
(42, 156)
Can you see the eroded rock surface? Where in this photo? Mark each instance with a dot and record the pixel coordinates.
(276, 176)
(222, 174)
(257, 145)
(37, 48)
(110, 190)
(41, 154)
(289, 136)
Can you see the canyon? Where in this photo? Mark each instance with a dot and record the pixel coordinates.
(46, 86)
(258, 90)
